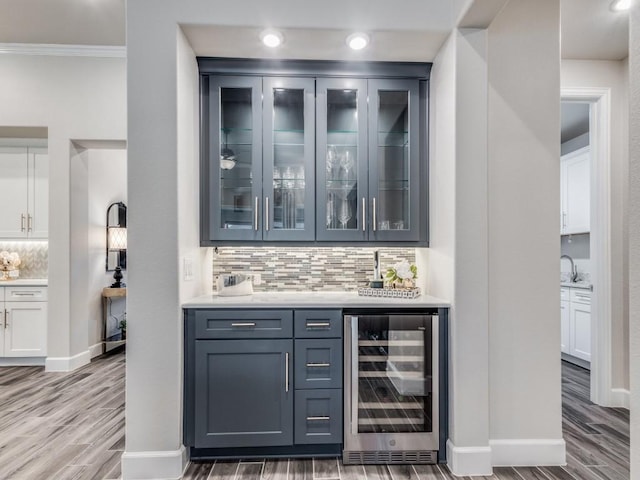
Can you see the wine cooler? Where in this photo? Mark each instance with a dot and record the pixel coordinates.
(391, 389)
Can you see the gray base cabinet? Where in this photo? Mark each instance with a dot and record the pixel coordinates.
(250, 383)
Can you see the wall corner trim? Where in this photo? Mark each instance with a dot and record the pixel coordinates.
(161, 465)
(620, 397)
(469, 461)
(528, 452)
(67, 364)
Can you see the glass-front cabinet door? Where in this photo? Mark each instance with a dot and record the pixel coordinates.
(288, 159)
(341, 159)
(394, 170)
(235, 158)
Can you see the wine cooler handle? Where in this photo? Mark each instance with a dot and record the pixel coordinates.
(354, 375)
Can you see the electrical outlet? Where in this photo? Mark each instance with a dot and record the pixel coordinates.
(257, 278)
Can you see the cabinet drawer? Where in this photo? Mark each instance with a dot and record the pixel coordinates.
(318, 363)
(25, 294)
(244, 324)
(318, 323)
(581, 296)
(564, 294)
(318, 416)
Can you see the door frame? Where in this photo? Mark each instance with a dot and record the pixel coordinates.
(599, 100)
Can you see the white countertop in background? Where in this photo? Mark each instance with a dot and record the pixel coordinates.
(25, 282)
(311, 299)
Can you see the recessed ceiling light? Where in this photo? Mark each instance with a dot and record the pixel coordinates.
(620, 5)
(271, 38)
(357, 41)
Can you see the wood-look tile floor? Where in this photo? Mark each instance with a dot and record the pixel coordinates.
(71, 426)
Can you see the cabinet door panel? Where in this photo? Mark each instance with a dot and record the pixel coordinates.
(288, 159)
(26, 329)
(235, 158)
(581, 331)
(565, 327)
(342, 161)
(318, 323)
(394, 172)
(318, 363)
(242, 397)
(38, 222)
(577, 192)
(13, 192)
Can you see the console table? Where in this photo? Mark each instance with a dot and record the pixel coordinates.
(114, 341)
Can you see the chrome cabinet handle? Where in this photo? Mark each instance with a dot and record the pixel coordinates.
(266, 213)
(244, 324)
(286, 372)
(29, 218)
(22, 222)
(318, 365)
(255, 215)
(364, 214)
(6, 321)
(374, 214)
(318, 324)
(311, 419)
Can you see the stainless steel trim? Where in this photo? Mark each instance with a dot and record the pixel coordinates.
(318, 418)
(244, 324)
(374, 214)
(266, 213)
(286, 372)
(22, 222)
(318, 324)
(318, 365)
(29, 217)
(354, 375)
(255, 215)
(364, 214)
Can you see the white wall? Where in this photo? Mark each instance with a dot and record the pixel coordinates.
(76, 98)
(634, 235)
(107, 183)
(524, 194)
(612, 75)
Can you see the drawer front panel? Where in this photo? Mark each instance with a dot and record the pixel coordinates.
(25, 294)
(318, 323)
(318, 363)
(318, 416)
(244, 324)
(581, 296)
(564, 294)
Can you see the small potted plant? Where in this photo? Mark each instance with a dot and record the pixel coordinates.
(123, 328)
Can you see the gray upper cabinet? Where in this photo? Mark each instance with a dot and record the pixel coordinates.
(314, 152)
(288, 159)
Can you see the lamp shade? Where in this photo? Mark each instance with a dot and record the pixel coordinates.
(117, 238)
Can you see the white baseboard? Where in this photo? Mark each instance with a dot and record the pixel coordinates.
(527, 452)
(164, 465)
(67, 364)
(469, 461)
(95, 350)
(620, 397)
(22, 361)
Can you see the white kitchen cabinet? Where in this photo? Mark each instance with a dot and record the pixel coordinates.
(575, 192)
(565, 316)
(580, 324)
(24, 192)
(23, 328)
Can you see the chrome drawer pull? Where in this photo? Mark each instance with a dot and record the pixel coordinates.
(311, 419)
(23, 294)
(318, 324)
(318, 365)
(244, 324)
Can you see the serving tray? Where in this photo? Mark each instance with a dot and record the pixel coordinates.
(407, 293)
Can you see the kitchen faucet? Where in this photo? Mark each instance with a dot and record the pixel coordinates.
(574, 271)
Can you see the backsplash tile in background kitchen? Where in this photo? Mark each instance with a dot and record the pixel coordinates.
(34, 257)
(307, 269)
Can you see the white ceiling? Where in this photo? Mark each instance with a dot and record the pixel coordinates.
(589, 29)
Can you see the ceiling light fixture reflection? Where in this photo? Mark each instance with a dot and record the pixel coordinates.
(357, 41)
(271, 38)
(620, 5)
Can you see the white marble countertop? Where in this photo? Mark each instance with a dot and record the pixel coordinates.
(25, 282)
(311, 299)
(582, 285)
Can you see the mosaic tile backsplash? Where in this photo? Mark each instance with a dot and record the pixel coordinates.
(307, 269)
(34, 257)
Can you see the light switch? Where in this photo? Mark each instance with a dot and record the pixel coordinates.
(187, 269)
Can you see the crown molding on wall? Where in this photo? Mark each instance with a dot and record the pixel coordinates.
(57, 50)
